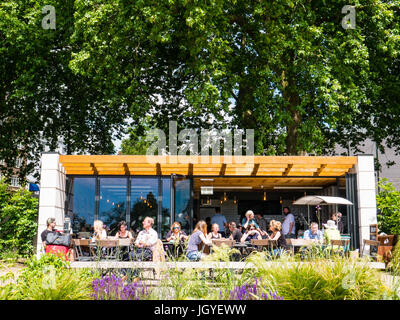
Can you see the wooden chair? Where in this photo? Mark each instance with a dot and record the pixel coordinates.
(109, 249)
(339, 244)
(264, 243)
(373, 248)
(220, 242)
(80, 254)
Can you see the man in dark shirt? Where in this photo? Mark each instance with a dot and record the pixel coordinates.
(235, 232)
(51, 225)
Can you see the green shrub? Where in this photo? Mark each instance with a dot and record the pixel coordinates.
(50, 278)
(388, 203)
(319, 279)
(18, 213)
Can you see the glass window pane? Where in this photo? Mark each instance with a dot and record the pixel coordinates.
(183, 210)
(82, 200)
(112, 202)
(166, 206)
(144, 201)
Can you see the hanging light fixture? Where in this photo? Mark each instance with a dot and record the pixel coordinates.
(108, 201)
(225, 198)
(234, 199)
(280, 200)
(265, 196)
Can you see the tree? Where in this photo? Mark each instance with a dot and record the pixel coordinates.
(287, 69)
(388, 204)
(43, 104)
(18, 215)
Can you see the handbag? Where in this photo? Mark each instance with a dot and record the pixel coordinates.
(57, 239)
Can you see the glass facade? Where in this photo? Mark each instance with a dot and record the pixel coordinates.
(144, 201)
(81, 203)
(112, 199)
(112, 202)
(183, 203)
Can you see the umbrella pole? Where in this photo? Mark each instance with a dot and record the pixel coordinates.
(308, 215)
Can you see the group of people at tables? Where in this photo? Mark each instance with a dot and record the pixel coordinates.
(147, 239)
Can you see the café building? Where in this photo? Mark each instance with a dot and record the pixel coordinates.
(79, 189)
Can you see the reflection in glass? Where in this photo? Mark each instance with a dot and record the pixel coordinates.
(112, 202)
(183, 213)
(144, 201)
(83, 204)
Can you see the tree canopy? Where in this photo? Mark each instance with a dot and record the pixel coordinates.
(43, 104)
(287, 69)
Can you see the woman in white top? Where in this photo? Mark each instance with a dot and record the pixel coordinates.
(214, 234)
(99, 231)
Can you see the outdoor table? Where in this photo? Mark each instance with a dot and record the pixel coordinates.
(244, 247)
(296, 244)
(109, 248)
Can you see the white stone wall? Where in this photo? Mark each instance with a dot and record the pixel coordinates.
(52, 194)
(366, 196)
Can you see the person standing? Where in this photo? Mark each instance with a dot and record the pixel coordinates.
(288, 226)
(262, 223)
(219, 219)
(337, 217)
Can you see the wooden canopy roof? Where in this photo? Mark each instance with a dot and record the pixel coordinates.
(221, 166)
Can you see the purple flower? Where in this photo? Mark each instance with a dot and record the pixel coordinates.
(112, 288)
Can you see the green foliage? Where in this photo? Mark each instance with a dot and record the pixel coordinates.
(320, 279)
(42, 101)
(18, 214)
(286, 69)
(388, 204)
(50, 278)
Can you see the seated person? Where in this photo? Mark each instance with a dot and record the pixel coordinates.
(123, 232)
(214, 234)
(99, 231)
(331, 231)
(249, 218)
(198, 236)
(51, 225)
(313, 233)
(251, 233)
(235, 232)
(145, 242)
(176, 233)
(275, 227)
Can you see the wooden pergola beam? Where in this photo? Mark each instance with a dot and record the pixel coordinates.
(223, 169)
(95, 172)
(287, 170)
(320, 169)
(255, 169)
